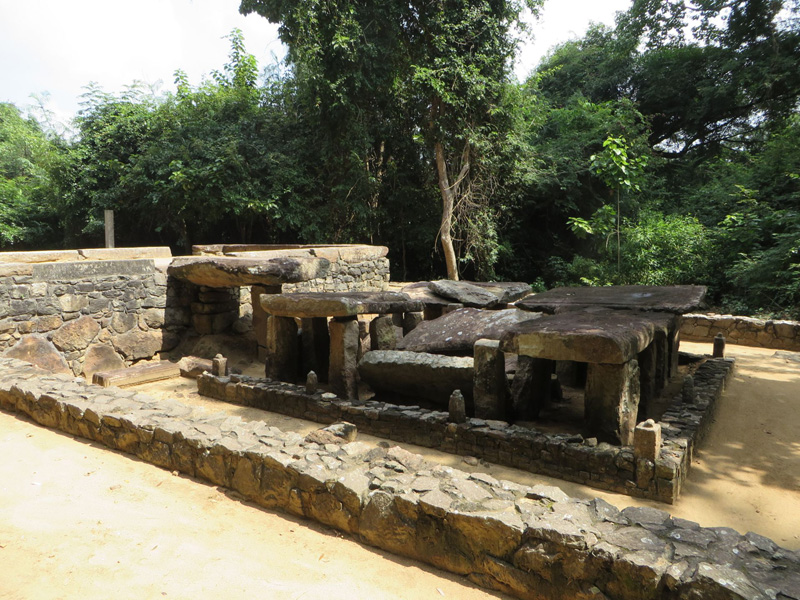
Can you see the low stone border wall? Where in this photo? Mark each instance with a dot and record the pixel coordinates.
(746, 331)
(569, 457)
(532, 542)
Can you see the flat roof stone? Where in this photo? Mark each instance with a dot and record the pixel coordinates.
(223, 271)
(344, 304)
(592, 336)
(677, 299)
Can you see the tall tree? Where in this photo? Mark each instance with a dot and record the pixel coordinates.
(437, 68)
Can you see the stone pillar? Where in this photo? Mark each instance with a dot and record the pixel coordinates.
(260, 316)
(647, 440)
(342, 370)
(612, 401)
(457, 408)
(382, 333)
(489, 383)
(647, 380)
(282, 349)
(661, 346)
(719, 346)
(315, 342)
(674, 337)
(530, 388)
(432, 311)
(411, 320)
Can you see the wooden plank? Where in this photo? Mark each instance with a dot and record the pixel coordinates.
(144, 373)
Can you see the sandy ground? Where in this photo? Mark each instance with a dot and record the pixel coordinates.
(80, 521)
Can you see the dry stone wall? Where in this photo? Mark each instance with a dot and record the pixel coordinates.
(746, 331)
(532, 542)
(85, 316)
(565, 456)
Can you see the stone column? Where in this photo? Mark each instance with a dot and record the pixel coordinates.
(315, 342)
(612, 401)
(674, 338)
(282, 349)
(382, 333)
(530, 388)
(661, 346)
(343, 367)
(260, 316)
(411, 320)
(647, 380)
(489, 387)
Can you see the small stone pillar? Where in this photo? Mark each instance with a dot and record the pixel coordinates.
(282, 349)
(311, 383)
(342, 369)
(674, 338)
(411, 320)
(489, 381)
(530, 388)
(260, 316)
(219, 366)
(316, 345)
(687, 391)
(647, 440)
(382, 333)
(457, 407)
(719, 346)
(612, 401)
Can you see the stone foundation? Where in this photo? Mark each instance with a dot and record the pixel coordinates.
(745, 331)
(531, 542)
(569, 457)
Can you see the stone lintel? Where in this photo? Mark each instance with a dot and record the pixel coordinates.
(345, 304)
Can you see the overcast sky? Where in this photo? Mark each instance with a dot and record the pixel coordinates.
(59, 46)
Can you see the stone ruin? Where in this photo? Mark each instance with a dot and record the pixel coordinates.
(451, 366)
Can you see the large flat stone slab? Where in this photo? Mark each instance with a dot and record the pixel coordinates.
(479, 294)
(223, 271)
(592, 336)
(678, 299)
(455, 333)
(345, 304)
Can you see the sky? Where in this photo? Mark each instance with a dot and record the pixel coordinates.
(54, 48)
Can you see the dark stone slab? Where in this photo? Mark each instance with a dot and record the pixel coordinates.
(592, 336)
(677, 299)
(220, 272)
(464, 292)
(455, 333)
(346, 304)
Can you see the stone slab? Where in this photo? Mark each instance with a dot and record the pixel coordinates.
(677, 299)
(592, 336)
(480, 294)
(223, 271)
(345, 304)
(84, 269)
(456, 332)
(143, 373)
(125, 253)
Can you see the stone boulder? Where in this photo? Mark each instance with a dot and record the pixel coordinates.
(417, 375)
(221, 272)
(138, 344)
(455, 333)
(76, 335)
(99, 358)
(38, 351)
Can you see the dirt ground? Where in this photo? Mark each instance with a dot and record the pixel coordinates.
(80, 521)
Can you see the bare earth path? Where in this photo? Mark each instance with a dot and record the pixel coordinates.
(79, 521)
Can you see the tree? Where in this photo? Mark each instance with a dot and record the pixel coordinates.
(441, 65)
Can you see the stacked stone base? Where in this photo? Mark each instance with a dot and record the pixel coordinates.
(569, 457)
(532, 542)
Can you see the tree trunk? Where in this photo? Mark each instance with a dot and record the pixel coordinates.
(448, 201)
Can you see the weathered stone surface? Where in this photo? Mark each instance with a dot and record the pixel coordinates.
(100, 357)
(76, 335)
(282, 349)
(489, 387)
(592, 336)
(383, 333)
(456, 332)
(417, 374)
(457, 409)
(138, 344)
(612, 401)
(677, 299)
(530, 388)
(464, 292)
(221, 272)
(92, 268)
(37, 350)
(344, 304)
(343, 366)
(647, 440)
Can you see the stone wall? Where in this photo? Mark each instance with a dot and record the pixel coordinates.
(89, 315)
(569, 457)
(746, 331)
(531, 542)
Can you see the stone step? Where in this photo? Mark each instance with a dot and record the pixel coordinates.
(143, 373)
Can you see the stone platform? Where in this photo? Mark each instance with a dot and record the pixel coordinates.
(531, 542)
